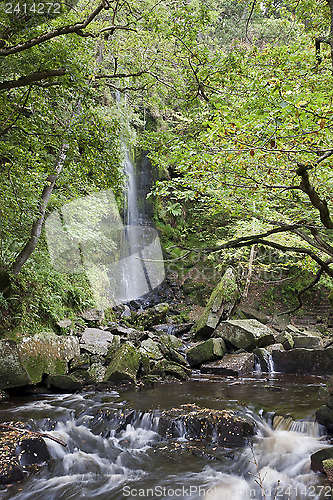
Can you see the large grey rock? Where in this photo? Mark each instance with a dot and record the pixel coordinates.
(93, 317)
(26, 362)
(308, 342)
(251, 313)
(219, 427)
(151, 349)
(313, 361)
(324, 416)
(125, 365)
(220, 305)
(96, 341)
(236, 364)
(245, 333)
(208, 350)
(68, 383)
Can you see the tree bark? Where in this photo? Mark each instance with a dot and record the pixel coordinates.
(36, 229)
(30, 79)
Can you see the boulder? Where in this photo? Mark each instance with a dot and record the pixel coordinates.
(170, 341)
(175, 370)
(236, 364)
(208, 350)
(112, 349)
(308, 342)
(318, 457)
(153, 316)
(25, 363)
(96, 341)
(19, 450)
(125, 365)
(68, 383)
(251, 313)
(93, 317)
(151, 349)
(324, 416)
(97, 372)
(313, 361)
(220, 305)
(286, 339)
(221, 427)
(245, 333)
(172, 355)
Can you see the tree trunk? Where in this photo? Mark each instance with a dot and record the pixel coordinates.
(36, 229)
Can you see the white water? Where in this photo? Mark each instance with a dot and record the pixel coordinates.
(104, 463)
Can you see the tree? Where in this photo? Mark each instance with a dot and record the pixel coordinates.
(261, 149)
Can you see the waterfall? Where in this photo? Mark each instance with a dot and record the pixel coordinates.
(140, 268)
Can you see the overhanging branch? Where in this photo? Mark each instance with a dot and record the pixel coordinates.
(33, 77)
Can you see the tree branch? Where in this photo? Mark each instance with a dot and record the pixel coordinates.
(317, 202)
(301, 292)
(64, 30)
(33, 77)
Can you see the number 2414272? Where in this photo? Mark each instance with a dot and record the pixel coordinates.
(32, 8)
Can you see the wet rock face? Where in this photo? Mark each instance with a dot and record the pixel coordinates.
(319, 457)
(18, 451)
(223, 427)
(315, 361)
(236, 364)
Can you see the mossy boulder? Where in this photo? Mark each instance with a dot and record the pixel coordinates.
(286, 339)
(153, 316)
(67, 383)
(324, 416)
(245, 333)
(208, 350)
(222, 427)
(220, 305)
(25, 363)
(319, 457)
(125, 365)
(166, 367)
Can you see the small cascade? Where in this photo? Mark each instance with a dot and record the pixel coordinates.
(257, 365)
(269, 361)
(301, 426)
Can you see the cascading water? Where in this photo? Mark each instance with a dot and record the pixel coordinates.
(115, 452)
(140, 266)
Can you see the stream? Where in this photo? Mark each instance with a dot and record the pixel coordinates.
(106, 461)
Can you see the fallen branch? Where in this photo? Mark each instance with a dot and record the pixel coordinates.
(35, 433)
